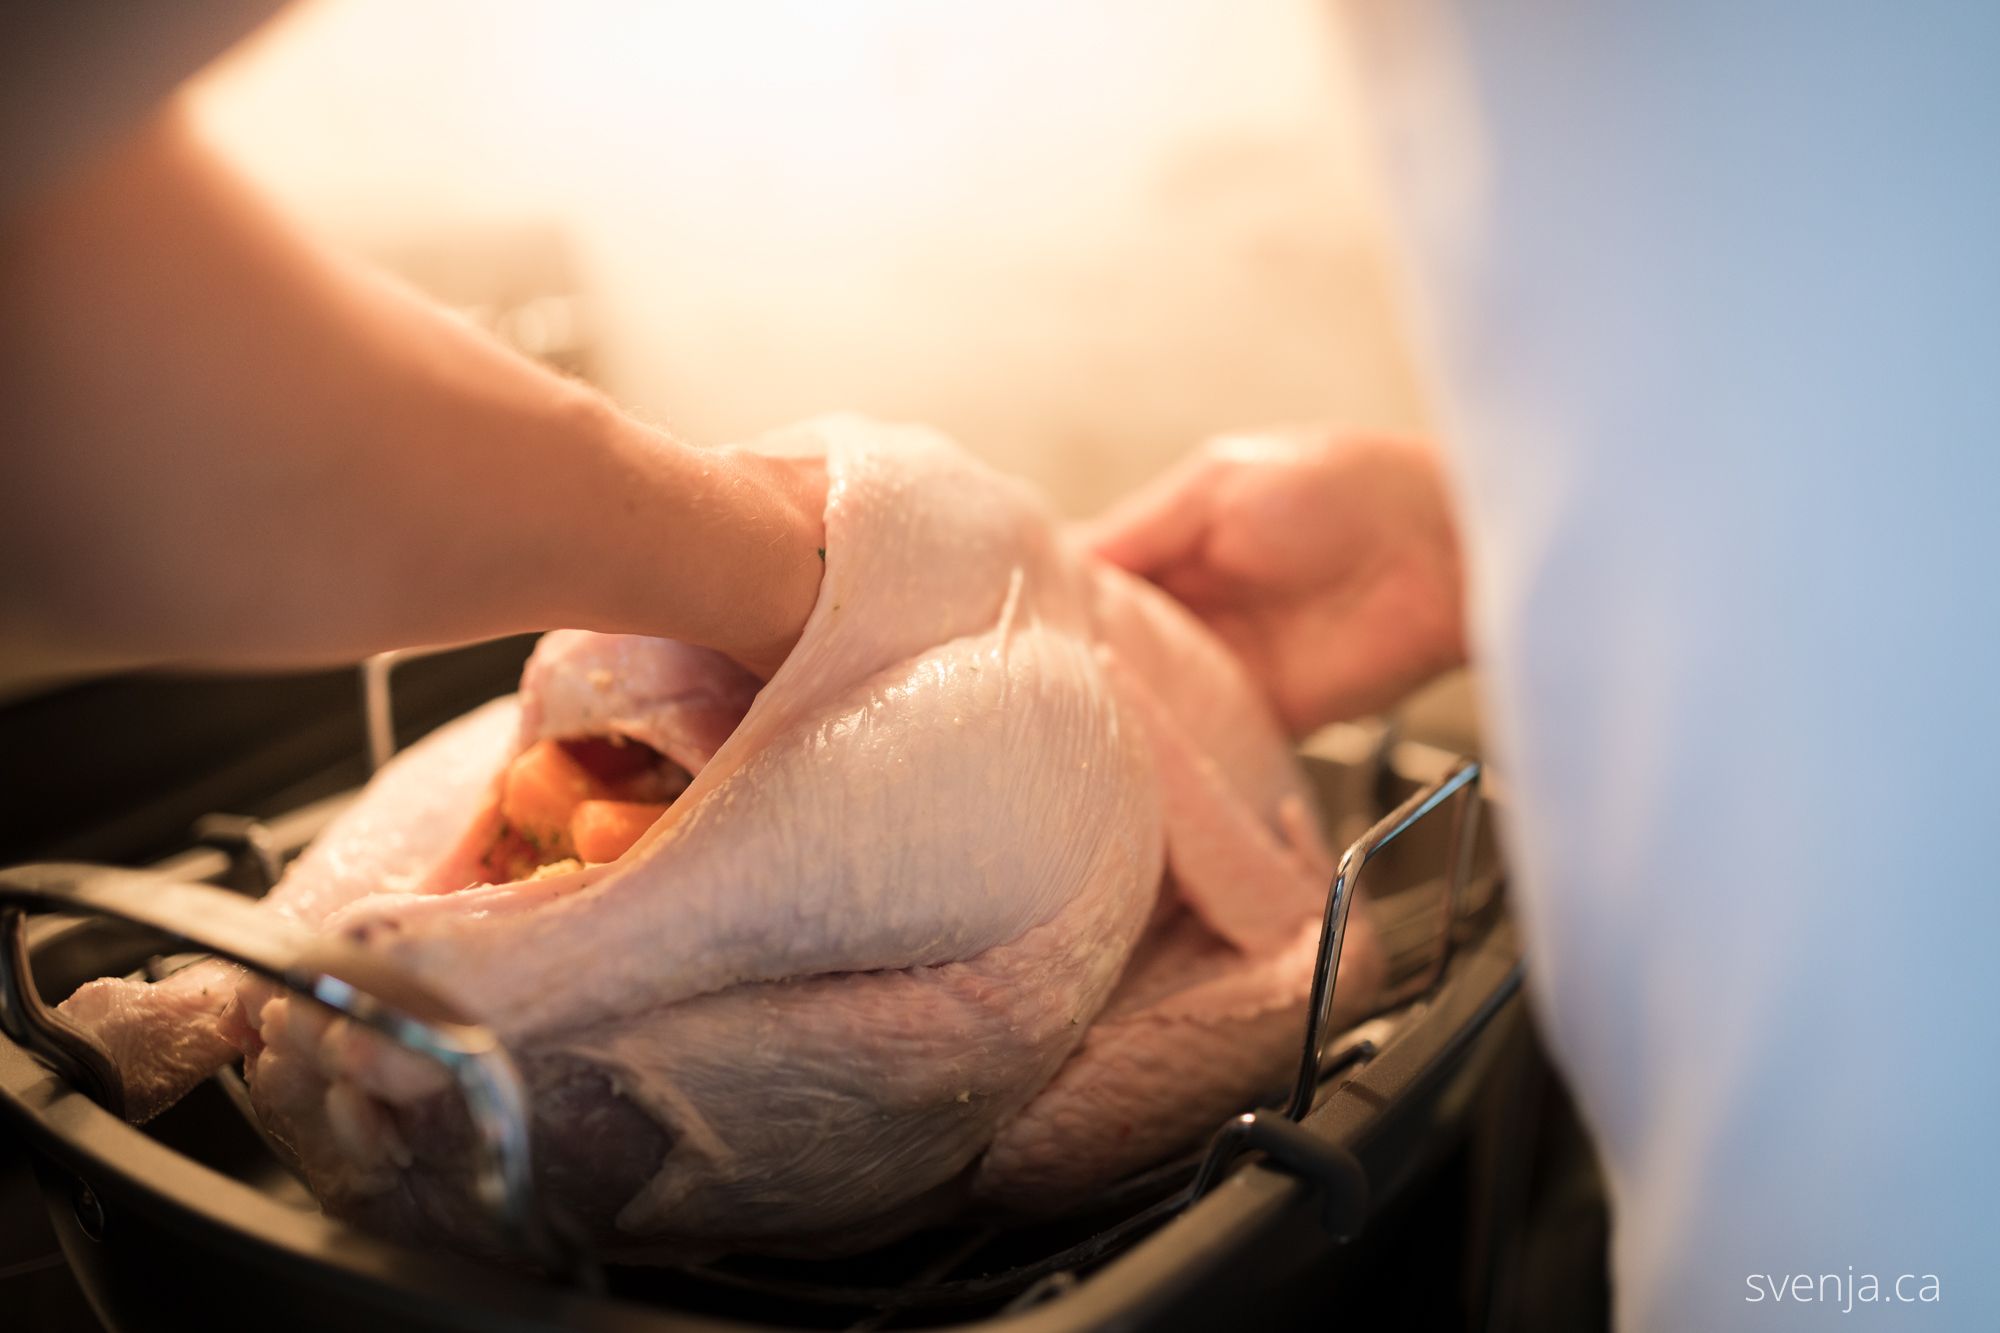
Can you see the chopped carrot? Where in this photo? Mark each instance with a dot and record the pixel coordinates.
(605, 830)
(539, 793)
(589, 798)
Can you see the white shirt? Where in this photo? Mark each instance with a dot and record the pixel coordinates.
(1713, 292)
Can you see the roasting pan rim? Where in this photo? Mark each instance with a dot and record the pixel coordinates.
(1254, 1206)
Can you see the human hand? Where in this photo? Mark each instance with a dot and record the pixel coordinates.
(763, 542)
(797, 490)
(1328, 563)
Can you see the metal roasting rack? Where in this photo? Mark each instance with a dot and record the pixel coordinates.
(329, 972)
(354, 984)
(378, 706)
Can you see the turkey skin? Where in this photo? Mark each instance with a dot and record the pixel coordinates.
(1004, 885)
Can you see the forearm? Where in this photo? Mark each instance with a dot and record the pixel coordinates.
(228, 447)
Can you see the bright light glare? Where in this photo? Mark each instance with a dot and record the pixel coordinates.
(1043, 224)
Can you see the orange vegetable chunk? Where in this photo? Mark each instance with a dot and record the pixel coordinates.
(605, 830)
(540, 793)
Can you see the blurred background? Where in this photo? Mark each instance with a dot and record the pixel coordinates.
(1077, 237)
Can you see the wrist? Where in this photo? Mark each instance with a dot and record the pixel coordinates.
(716, 546)
(776, 507)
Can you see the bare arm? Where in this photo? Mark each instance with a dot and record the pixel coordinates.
(225, 446)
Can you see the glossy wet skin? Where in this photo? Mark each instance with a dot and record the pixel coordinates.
(877, 960)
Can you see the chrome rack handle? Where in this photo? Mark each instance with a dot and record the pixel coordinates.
(1340, 901)
(329, 972)
(377, 707)
(1327, 1167)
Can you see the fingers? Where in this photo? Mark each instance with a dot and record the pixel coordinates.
(1160, 525)
(1165, 523)
(1201, 587)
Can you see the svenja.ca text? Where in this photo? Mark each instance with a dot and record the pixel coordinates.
(1846, 1291)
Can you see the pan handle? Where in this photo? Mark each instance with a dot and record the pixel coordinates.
(329, 972)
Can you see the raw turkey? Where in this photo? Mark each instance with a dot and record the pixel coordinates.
(1004, 885)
